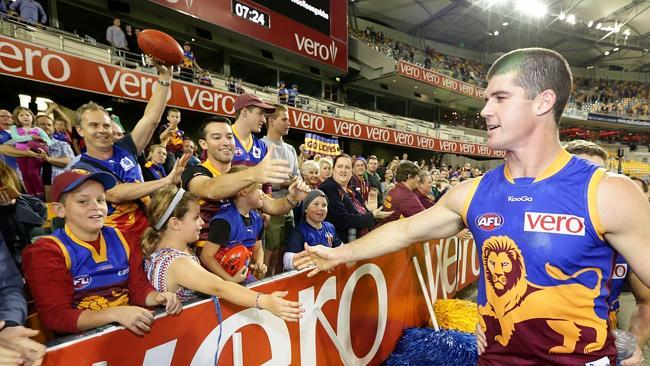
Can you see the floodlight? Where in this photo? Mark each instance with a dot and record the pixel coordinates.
(571, 19)
(532, 8)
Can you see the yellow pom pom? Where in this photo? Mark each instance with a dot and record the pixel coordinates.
(456, 314)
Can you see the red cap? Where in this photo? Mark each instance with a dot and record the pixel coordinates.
(248, 100)
(70, 180)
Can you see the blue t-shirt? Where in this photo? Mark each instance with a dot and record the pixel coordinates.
(305, 233)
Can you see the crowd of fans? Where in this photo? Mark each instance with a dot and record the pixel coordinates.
(618, 97)
(77, 188)
(456, 67)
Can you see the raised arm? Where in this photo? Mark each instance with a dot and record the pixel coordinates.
(147, 125)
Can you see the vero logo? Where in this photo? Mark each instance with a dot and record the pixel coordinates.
(554, 223)
(316, 49)
(489, 221)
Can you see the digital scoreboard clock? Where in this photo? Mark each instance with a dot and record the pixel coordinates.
(251, 14)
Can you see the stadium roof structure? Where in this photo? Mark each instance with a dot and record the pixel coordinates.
(588, 32)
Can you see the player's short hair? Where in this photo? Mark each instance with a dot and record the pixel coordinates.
(536, 70)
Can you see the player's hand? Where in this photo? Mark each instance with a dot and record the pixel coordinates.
(636, 359)
(172, 304)
(481, 340)
(17, 347)
(287, 310)
(164, 72)
(320, 257)
(269, 170)
(298, 190)
(174, 176)
(134, 318)
(380, 214)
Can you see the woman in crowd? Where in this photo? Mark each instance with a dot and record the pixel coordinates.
(310, 173)
(170, 265)
(347, 209)
(388, 182)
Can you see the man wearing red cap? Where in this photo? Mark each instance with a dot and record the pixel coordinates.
(250, 111)
(87, 275)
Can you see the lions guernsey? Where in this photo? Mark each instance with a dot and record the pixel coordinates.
(100, 278)
(249, 155)
(546, 270)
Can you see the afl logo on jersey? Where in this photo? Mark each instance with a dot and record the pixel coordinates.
(238, 152)
(620, 271)
(489, 221)
(81, 282)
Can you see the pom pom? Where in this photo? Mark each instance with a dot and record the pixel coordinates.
(456, 314)
(425, 346)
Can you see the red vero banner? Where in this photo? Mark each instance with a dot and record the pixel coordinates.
(33, 62)
(367, 307)
(283, 32)
(442, 81)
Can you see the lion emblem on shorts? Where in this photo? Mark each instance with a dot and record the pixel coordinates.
(511, 299)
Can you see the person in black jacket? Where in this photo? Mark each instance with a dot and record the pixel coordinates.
(347, 209)
(16, 347)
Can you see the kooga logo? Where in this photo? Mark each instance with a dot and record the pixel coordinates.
(520, 199)
(316, 49)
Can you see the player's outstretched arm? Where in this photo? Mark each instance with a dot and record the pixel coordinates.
(440, 221)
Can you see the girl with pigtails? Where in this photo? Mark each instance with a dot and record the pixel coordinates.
(174, 217)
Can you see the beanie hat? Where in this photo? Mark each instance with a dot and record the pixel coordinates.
(312, 195)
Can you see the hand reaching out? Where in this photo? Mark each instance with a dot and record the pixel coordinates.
(287, 310)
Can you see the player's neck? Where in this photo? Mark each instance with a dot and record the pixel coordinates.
(533, 160)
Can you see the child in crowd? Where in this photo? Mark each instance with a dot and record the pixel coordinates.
(312, 229)
(237, 223)
(87, 275)
(170, 265)
(27, 137)
(155, 162)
